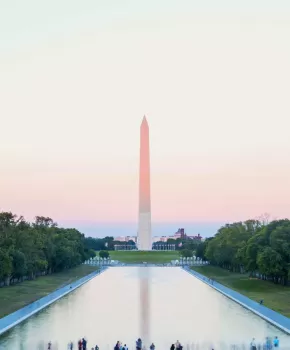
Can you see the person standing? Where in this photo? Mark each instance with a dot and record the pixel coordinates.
(117, 346)
(152, 346)
(268, 344)
(172, 347)
(125, 347)
(178, 346)
(84, 344)
(276, 342)
(139, 344)
(80, 344)
(253, 344)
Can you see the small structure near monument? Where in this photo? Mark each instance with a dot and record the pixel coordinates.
(124, 247)
(163, 247)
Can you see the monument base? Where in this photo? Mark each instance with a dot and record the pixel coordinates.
(144, 242)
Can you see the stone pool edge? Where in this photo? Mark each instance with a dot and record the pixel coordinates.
(246, 302)
(12, 320)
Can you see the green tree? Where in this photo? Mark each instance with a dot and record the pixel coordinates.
(5, 267)
(19, 267)
(33, 249)
(201, 248)
(104, 254)
(186, 253)
(260, 248)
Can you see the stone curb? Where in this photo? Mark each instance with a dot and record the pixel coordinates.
(22, 314)
(273, 317)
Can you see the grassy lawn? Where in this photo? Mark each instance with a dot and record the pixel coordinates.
(275, 297)
(155, 257)
(17, 296)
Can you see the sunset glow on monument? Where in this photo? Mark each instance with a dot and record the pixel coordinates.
(144, 229)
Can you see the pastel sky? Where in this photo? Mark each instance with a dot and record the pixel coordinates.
(212, 77)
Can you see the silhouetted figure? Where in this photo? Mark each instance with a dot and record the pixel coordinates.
(117, 346)
(276, 342)
(152, 346)
(96, 347)
(268, 344)
(80, 344)
(49, 346)
(261, 302)
(139, 344)
(84, 344)
(178, 346)
(253, 344)
(172, 347)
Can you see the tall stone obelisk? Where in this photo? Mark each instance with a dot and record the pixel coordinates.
(144, 229)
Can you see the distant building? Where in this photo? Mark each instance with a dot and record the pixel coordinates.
(120, 239)
(160, 239)
(126, 239)
(179, 234)
(198, 237)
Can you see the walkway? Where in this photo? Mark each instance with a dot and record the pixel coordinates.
(273, 317)
(20, 315)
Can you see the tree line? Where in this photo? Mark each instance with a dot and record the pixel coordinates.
(106, 243)
(259, 248)
(28, 250)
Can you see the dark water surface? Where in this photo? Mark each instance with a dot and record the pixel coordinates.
(158, 304)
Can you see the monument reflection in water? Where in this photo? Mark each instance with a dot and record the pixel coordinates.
(145, 309)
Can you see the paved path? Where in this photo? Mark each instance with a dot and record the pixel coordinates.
(20, 315)
(273, 317)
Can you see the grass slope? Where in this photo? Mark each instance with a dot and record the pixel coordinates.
(17, 296)
(275, 297)
(155, 257)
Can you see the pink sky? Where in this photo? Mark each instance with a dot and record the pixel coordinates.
(213, 83)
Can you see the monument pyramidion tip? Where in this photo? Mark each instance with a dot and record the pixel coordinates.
(144, 120)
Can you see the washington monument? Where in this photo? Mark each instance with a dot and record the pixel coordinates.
(144, 229)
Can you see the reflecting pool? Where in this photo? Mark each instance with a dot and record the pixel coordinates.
(155, 303)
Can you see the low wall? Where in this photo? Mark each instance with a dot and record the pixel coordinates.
(20, 315)
(148, 265)
(273, 317)
(142, 265)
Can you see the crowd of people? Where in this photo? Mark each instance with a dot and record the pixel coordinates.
(268, 344)
(139, 346)
(82, 345)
